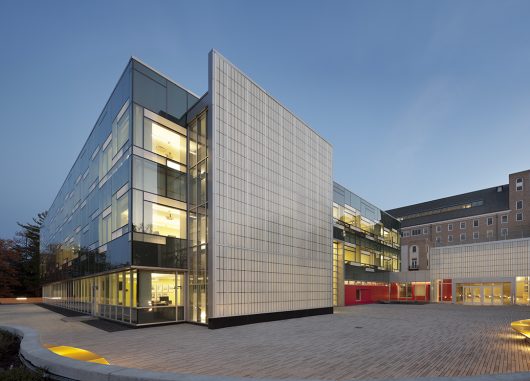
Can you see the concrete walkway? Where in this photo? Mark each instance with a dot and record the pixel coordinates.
(363, 342)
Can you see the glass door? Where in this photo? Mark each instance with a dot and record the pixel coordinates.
(488, 294)
(497, 294)
(477, 295)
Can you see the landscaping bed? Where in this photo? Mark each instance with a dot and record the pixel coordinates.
(11, 368)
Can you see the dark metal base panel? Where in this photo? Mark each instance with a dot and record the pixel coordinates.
(230, 321)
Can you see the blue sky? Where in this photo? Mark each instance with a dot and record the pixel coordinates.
(420, 99)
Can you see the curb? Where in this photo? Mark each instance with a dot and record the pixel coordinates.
(62, 368)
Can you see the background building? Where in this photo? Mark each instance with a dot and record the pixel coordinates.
(471, 248)
(213, 210)
(486, 215)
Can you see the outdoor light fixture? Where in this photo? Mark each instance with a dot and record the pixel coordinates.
(522, 327)
(76, 354)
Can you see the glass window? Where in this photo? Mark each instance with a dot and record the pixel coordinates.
(490, 220)
(164, 220)
(176, 185)
(504, 232)
(438, 229)
(449, 238)
(519, 204)
(519, 217)
(201, 138)
(138, 126)
(105, 161)
(156, 289)
(449, 227)
(158, 179)
(462, 225)
(475, 223)
(164, 142)
(504, 219)
(475, 235)
(105, 228)
(519, 184)
(120, 131)
(120, 211)
(462, 236)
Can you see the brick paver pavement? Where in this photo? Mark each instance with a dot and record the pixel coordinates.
(361, 342)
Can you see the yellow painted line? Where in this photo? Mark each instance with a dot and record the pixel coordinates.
(76, 354)
(522, 326)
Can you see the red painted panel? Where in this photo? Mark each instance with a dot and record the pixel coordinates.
(368, 294)
(447, 291)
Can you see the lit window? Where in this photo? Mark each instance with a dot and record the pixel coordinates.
(519, 205)
(519, 217)
(164, 142)
(163, 220)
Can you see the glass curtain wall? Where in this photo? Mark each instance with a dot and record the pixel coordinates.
(131, 296)
(159, 178)
(197, 219)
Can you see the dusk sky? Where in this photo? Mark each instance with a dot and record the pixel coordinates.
(420, 99)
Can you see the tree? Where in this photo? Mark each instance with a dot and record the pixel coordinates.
(9, 268)
(28, 244)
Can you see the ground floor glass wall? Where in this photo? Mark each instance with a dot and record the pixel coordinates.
(131, 296)
(521, 290)
(497, 293)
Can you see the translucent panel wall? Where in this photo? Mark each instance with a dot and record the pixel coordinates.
(271, 207)
(492, 259)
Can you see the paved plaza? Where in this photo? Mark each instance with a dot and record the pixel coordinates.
(362, 342)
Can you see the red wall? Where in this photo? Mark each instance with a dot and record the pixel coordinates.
(369, 294)
(374, 294)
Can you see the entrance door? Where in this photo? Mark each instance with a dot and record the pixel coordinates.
(472, 295)
(497, 295)
(477, 295)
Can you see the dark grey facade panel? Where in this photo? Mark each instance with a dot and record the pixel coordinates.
(492, 200)
(360, 274)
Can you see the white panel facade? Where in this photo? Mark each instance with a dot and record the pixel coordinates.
(482, 260)
(270, 202)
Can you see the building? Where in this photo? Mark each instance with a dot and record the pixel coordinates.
(471, 248)
(366, 249)
(212, 209)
